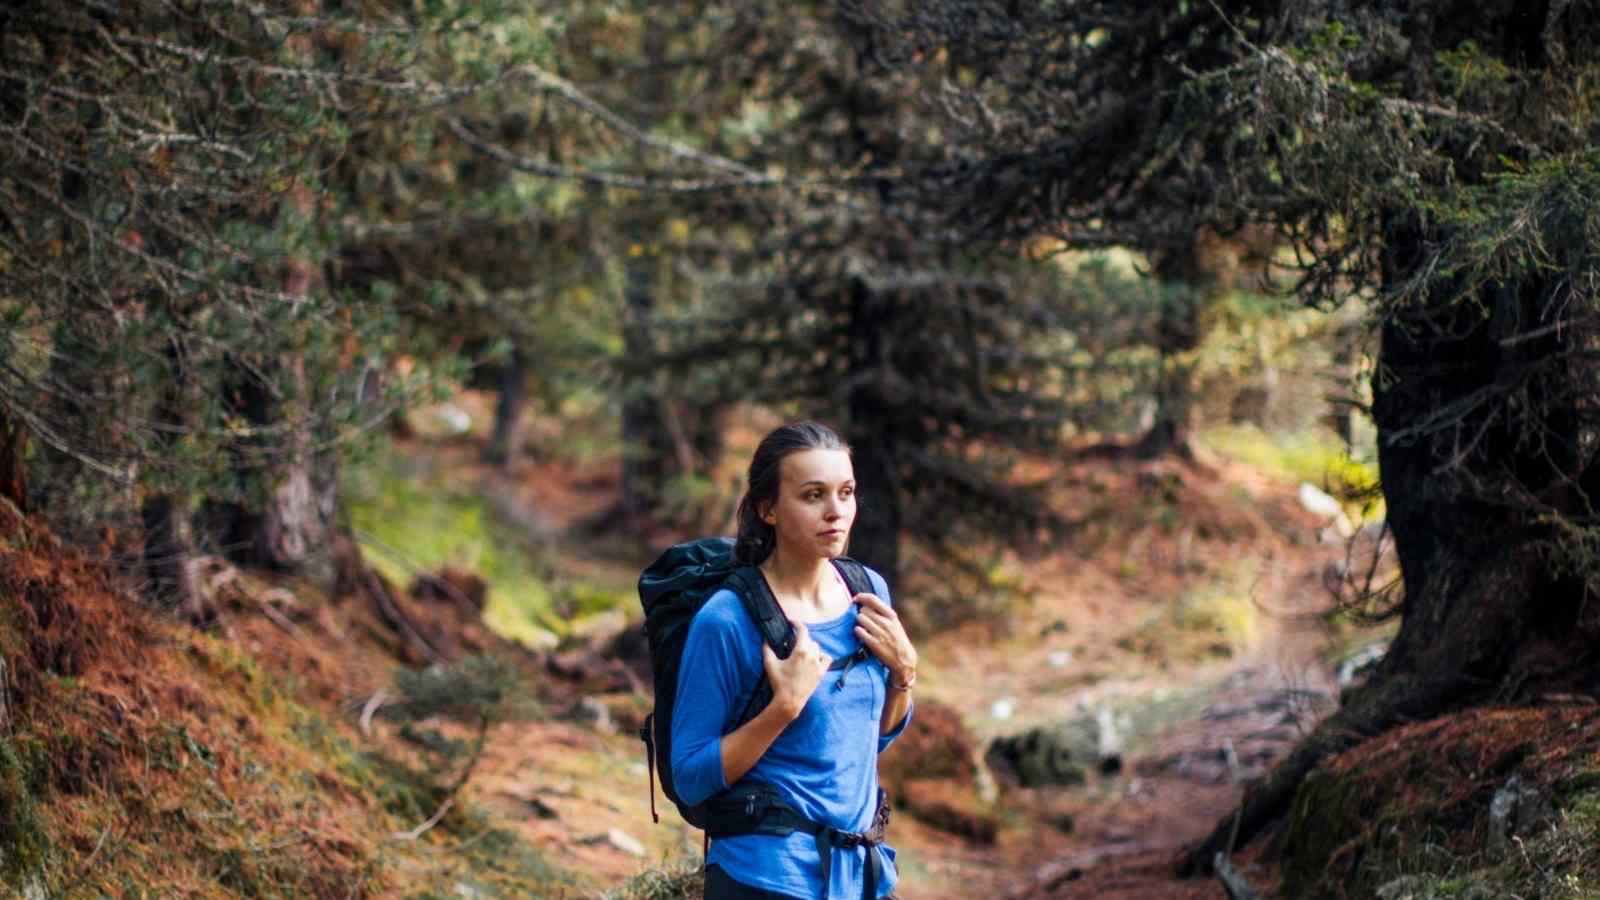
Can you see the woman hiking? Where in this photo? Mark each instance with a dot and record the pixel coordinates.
(807, 762)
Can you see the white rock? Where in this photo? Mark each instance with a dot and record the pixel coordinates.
(1108, 740)
(1318, 501)
(1004, 708)
(625, 842)
(1321, 503)
(1359, 662)
(451, 420)
(592, 712)
(1060, 659)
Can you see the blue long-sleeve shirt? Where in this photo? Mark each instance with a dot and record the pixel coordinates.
(825, 763)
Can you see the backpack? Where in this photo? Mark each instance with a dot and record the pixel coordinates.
(672, 590)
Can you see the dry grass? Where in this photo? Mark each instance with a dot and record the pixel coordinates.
(143, 758)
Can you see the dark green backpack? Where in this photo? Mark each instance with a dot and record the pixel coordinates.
(672, 590)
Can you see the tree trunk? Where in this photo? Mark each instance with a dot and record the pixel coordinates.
(646, 445)
(1485, 613)
(503, 443)
(1168, 435)
(168, 550)
(1179, 329)
(13, 461)
(166, 519)
(293, 528)
(875, 538)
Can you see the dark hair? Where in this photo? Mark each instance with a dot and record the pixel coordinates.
(756, 538)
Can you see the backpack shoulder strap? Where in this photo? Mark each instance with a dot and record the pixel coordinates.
(854, 574)
(770, 622)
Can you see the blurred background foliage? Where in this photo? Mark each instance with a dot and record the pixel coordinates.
(247, 246)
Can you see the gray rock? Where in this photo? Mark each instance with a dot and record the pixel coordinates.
(1515, 809)
(1037, 757)
(1406, 887)
(593, 713)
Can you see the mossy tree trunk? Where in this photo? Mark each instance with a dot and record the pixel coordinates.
(1483, 467)
(1200, 272)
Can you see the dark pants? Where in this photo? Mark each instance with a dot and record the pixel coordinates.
(720, 886)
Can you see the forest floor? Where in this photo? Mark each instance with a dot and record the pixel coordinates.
(1186, 614)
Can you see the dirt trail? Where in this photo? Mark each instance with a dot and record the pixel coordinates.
(1201, 732)
(1117, 622)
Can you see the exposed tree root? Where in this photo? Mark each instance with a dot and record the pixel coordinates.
(1373, 709)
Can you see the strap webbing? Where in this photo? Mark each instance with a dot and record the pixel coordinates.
(765, 814)
(647, 734)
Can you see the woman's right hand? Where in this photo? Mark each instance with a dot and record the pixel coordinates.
(794, 679)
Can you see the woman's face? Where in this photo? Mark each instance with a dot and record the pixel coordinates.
(816, 503)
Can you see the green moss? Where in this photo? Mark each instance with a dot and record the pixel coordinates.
(420, 522)
(505, 861)
(24, 841)
(1385, 850)
(580, 599)
(1314, 456)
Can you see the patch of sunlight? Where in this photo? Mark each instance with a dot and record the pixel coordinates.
(1314, 455)
(422, 522)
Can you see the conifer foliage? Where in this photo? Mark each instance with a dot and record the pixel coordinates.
(1437, 161)
(179, 182)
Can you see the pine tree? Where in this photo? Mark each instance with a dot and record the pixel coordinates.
(169, 340)
(1437, 161)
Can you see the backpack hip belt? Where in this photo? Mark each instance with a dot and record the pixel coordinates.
(758, 809)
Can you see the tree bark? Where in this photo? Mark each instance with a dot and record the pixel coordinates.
(166, 518)
(1194, 270)
(875, 538)
(1485, 615)
(503, 443)
(293, 527)
(13, 461)
(646, 446)
(168, 550)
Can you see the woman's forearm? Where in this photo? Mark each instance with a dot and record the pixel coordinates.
(742, 748)
(895, 707)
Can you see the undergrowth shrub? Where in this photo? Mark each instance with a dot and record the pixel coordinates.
(681, 880)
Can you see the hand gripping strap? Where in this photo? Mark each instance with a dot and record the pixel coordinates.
(775, 628)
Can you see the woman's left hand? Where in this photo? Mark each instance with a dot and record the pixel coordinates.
(879, 628)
